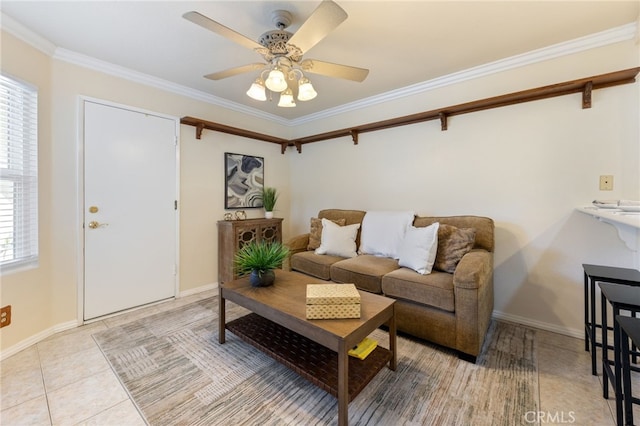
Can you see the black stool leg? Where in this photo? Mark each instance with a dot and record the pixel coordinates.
(593, 328)
(626, 378)
(587, 325)
(617, 376)
(605, 351)
(633, 345)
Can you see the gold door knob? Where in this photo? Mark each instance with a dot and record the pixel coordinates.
(93, 224)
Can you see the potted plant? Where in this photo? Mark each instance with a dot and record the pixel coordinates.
(259, 259)
(269, 198)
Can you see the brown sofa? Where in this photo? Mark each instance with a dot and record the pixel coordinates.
(450, 309)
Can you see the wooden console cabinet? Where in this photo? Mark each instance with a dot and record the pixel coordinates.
(234, 234)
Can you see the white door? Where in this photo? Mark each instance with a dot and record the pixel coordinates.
(130, 202)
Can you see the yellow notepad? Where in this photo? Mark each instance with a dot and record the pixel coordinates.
(364, 348)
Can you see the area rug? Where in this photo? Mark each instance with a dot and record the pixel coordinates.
(177, 373)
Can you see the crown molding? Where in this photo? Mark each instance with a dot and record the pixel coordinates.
(592, 41)
(23, 33)
(159, 83)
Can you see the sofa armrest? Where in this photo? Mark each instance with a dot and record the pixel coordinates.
(295, 245)
(473, 289)
(473, 270)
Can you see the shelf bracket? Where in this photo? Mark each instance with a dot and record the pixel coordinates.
(199, 129)
(586, 95)
(298, 146)
(354, 136)
(443, 121)
(283, 147)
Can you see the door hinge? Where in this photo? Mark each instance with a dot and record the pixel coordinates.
(175, 204)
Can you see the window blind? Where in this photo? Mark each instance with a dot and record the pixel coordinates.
(18, 173)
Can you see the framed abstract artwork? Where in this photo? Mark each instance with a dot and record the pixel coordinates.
(244, 180)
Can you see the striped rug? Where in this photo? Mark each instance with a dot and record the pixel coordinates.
(177, 373)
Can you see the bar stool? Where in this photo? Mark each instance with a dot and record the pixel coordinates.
(629, 329)
(620, 297)
(606, 274)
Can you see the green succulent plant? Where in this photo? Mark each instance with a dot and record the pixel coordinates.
(261, 256)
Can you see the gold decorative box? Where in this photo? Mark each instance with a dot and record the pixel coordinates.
(332, 301)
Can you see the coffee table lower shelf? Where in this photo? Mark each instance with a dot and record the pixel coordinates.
(309, 359)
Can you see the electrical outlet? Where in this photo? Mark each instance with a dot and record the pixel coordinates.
(606, 183)
(5, 316)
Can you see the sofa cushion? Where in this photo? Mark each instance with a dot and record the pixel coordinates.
(453, 244)
(365, 271)
(435, 289)
(418, 249)
(312, 264)
(315, 232)
(350, 217)
(484, 227)
(338, 240)
(383, 232)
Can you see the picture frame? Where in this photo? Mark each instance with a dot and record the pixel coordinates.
(244, 181)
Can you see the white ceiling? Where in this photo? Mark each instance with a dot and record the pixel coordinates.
(401, 43)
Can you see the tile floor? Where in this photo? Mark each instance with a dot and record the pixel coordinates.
(65, 380)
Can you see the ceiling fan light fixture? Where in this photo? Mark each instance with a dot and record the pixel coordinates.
(306, 92)
(286, 99)
(276, 82)
(257, 90)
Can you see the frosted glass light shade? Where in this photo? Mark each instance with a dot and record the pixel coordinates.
(306, 92)
(257, 90)
(286, 99)
(276, 81)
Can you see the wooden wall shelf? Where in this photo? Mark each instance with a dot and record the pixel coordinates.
(583, 85)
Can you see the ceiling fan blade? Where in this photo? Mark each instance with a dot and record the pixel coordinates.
(334, 70)
(234, 71)
(322, 21)
(211, 25)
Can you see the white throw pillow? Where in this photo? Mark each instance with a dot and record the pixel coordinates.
(338, 240)
(419, 247)
(383, 232)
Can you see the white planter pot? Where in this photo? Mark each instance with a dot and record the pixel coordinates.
(268, 215)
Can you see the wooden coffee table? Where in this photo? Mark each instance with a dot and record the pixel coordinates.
(315, 349)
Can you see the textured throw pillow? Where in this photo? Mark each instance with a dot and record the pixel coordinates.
(315, 233)
(338, 240)
(453, 244)
(418, 249)
(383, 232)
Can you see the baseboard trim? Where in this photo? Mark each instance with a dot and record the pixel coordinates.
(36, 338)
(197, 290)
(571, 332)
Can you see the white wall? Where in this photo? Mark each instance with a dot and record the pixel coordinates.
(526, 166)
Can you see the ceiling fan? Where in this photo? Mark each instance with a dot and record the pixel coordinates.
(282, 52)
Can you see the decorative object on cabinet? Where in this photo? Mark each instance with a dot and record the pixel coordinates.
(244, 180)
(269, 198)
(235, 234)
(259, 259)
(241, 215)
(228, 216)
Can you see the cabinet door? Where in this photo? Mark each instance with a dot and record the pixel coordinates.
(246, 234)
(270, 233)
